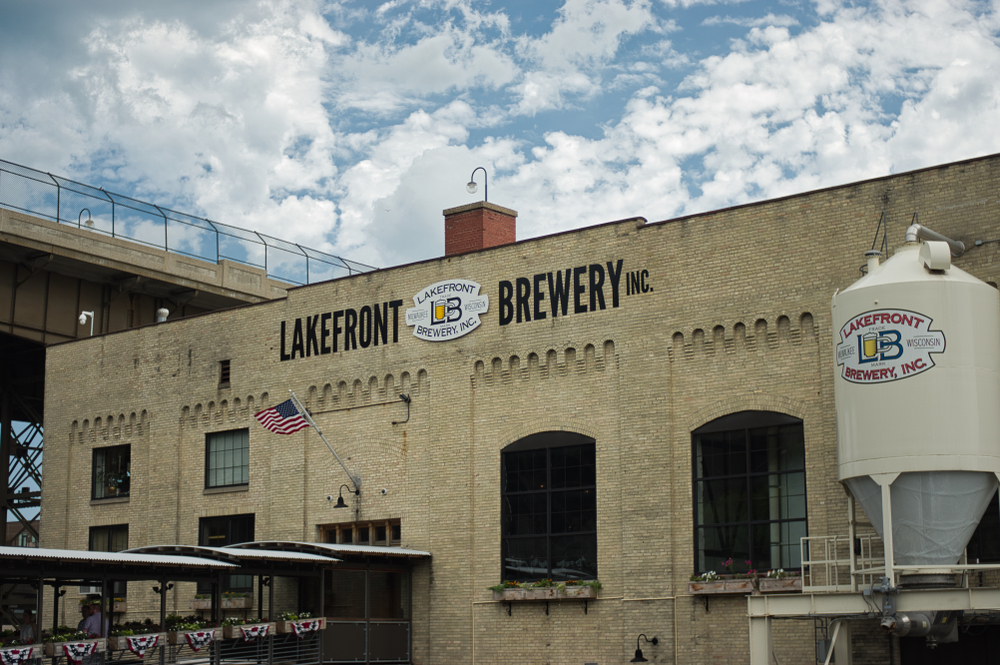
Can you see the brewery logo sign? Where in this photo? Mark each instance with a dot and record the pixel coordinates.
(447, 310)
(887, 345)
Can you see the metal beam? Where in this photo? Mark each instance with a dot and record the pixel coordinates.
(980, 599)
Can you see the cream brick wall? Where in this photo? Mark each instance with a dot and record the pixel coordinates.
(737, 317)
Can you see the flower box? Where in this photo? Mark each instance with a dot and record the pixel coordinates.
(780, 584)
(120, 642)
(724, 586)
(245, 603)
(550, 593)
(236, 632)
(55, 649)
(286, 626)
(178, 637)
(120, 606)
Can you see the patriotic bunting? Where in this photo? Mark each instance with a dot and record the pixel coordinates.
(251, 633)
(77, 651)
(15, 656)
(141, 643)
(302, 628)
(199, 638)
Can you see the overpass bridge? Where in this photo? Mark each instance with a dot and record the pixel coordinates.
(76, 260)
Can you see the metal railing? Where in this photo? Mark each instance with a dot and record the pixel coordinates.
(96, 209)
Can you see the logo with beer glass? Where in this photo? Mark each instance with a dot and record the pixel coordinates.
(886, 345)
(447, 310)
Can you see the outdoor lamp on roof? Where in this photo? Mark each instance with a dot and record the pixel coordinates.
(340, 497)
(638, 652)
(472, 188)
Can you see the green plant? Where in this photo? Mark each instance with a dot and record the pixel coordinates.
(237, 621)
(710, 576)
(10, 638)
(542, 584)
(65, 634)
(292, 616)
(175, 622)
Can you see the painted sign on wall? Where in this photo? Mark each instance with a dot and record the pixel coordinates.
(887, 345)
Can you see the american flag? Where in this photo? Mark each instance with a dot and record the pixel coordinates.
(282, 419)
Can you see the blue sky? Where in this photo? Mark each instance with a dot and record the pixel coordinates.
(350, 126)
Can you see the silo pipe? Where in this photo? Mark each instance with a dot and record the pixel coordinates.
(916, 233)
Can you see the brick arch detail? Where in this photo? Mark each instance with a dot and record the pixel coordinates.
(737, 403)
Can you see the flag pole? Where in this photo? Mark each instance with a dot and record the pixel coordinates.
(355, 480)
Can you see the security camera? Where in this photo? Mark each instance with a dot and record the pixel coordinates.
(329, 497)
(83, 319)
(385, 491)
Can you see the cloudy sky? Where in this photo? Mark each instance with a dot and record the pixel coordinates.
(349, 126)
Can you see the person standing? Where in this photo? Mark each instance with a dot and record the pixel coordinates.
(94, 625)
(85, 611)
(27, 627)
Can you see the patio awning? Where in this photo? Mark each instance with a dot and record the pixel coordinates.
(330, 549)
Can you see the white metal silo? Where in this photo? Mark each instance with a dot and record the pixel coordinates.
(917, 355)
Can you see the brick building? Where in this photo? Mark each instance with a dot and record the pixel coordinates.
(558, 393)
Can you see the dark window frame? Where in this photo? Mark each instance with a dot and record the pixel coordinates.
(119, 588)
(747, 422)
(556, 494)
(121, 477)
(984, 544)
(209, 468)
(237, 583)
(224, 373)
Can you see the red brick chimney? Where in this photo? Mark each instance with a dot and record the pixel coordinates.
(477, 226)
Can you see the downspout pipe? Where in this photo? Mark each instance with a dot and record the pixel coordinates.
(916, 233)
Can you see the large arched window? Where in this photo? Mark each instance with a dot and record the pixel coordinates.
(549, 521)
(749, 491)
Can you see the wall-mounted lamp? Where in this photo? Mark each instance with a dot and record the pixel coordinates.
(89, 222)
(83, 320)
(405, 398)
(340, 498)
(472, 187)
(638, 652)
(166, 588)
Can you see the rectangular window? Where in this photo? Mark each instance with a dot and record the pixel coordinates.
(111, 539)
(227, 530)
(550, 512)
(372, 532)
(223, 373)
(227, 458)
(111, 469)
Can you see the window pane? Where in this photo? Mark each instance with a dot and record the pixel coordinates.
(750, 496)
(722, 501)
(549, 508)
(388, 595)
(345, 594)
(526, 559)
(227, 458)
(574, 557)
(111, 474)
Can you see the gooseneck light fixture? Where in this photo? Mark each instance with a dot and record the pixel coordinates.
(405, 398)
(472, 187)
(340, 498)
(638, 652)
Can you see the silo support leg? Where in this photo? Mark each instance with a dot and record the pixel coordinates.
(840, 647)
(842, 644)
(760, 640)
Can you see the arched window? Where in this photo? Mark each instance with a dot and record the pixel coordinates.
(749, 492)
(549, 516)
